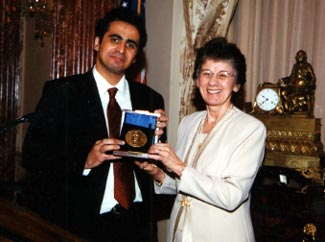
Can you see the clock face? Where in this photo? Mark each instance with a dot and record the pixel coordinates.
(267, 99)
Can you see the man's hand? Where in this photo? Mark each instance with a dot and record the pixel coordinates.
(161, 122)
(100, 152)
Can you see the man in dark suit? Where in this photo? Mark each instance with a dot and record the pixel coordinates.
(68, 148)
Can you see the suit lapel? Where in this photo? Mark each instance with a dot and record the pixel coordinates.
(141, 97)
(137, 103)
(97, 130)
(93, 108)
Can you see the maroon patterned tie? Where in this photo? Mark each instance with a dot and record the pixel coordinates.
(124, 191)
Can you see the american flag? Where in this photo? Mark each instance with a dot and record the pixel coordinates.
(138, 7)
(135, 5)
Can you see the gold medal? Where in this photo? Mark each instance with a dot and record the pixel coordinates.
(136, 138)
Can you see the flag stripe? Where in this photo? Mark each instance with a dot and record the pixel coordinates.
(139, 7)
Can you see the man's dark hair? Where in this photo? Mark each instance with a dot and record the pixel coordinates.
(125, 15)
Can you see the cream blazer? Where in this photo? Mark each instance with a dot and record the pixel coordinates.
(215, 196)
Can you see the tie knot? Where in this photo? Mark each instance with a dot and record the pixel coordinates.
(112, 92)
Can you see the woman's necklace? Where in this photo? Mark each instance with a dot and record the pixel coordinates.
(201, 135)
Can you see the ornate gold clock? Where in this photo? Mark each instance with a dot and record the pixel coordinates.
(293, 139)
(268, 99)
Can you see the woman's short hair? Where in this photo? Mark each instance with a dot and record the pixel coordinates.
(220, 49)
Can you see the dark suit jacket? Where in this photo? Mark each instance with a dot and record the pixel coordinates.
(68, 120)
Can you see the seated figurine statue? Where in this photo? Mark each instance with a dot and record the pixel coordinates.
(299, 88)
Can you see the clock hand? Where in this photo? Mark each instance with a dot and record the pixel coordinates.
(265, 100)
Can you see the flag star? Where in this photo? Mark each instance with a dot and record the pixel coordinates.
(124, 4)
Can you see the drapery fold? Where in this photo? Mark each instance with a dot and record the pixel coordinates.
(73, 35)
(10, 52)
(203, 21)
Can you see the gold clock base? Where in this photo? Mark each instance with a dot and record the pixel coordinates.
(310, 167)
(293, 141)
(293, 134)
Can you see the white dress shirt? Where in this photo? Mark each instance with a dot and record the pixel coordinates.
(124, 100)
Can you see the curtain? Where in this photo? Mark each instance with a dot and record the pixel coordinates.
(73, 34)
(10, 50)
(203, 21)
(270, 33)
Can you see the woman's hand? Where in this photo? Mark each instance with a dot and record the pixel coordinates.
(164, 152)
(157, 173)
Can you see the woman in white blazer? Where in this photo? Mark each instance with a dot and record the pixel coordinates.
(217, 156)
